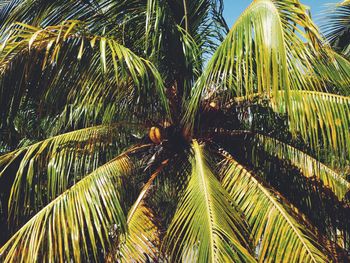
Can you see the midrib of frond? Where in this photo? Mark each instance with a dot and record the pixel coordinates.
(321, 94)
(324, 95)
(86, 132)
(207, 198)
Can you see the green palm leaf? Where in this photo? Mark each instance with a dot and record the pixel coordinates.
(278, 235)
(334, 70)
(177, 70)
(336, 27)
(50, 166)
(206, 228)
(309, 166)
(281, 68)
(143, 238)
(263, 53)
(128, 72)
(320, 117)
(142, 241)
(75, 221)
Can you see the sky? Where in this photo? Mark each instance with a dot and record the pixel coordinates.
(233, 8)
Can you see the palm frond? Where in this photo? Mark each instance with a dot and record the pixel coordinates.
(263, 53)
(280, 68)
(278, 235)
(309, 166)
(206, 227)
(321, 118)
(336, 27)
(44, 13)
(334, 71)
(142, 240)
(52, 165)
(71, 226)
(73, 39)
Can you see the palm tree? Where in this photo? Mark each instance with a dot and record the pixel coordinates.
(158, 135)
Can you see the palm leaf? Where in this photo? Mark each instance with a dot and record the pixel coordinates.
(206, 228)
(334, 70)
(263, 53)
(309, 166)
(278, 235)
(280, 68)
(71, 225)
(143, 238)
(336, 27)
(320, 116)
(142, 241)
(24, 10)
(72, 38)
(52, 165)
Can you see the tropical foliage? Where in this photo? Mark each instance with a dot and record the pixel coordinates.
(148, 131)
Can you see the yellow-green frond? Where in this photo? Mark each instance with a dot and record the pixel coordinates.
(309, 166)
(263, 53)
(206, 227)
(322, 119)
(142, 241)
(334, 69)
(278, 235)
(72, 225)
(106, 56)
(50, 166)
(143, 238)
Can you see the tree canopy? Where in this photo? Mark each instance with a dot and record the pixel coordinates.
(149, 131)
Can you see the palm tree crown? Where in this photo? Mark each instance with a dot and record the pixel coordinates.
(148, 131)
